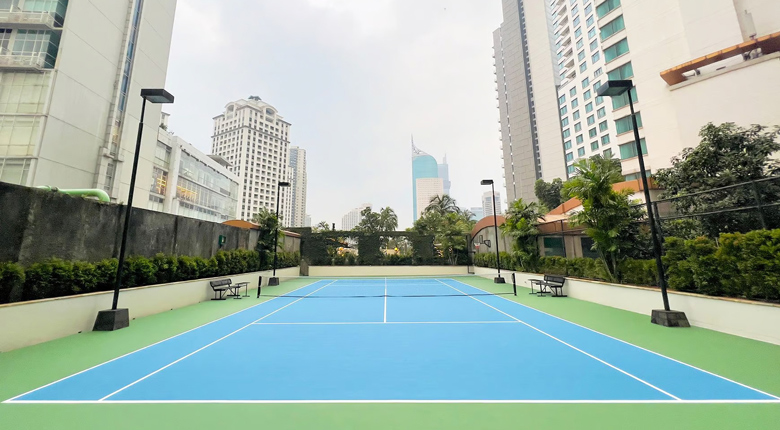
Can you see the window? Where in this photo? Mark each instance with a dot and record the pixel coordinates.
(607, 7)
(577, 127)
(594, 45)
(576, 115)
(585, 82)
(562, 99)
(574, 10)
(595, 57)
(622, 100)
(580, 140)
(601, 113)
(591, 120)
(591, 33)
(616, 50)
(564, 110)
(567, 144)
(570, 169)
(573, 91)
(583, 67)
(626, 71)
(589, 108)
(589, 21)
(594, 145)
(576, 21)
(624, 125)
(586, 95)
(566, 133)
(628, 150)
(578, 32)
(581, 152)
(599, 100)
(604, 140)
(597, 72)
(580, 44)
(581, 56)
(574, 103)
(592, 133)
(554, 247)
(587, 248)
(588, 9)
(565, 122)
(612, 27)
(162, 155)
(603, 126)
(569, 156)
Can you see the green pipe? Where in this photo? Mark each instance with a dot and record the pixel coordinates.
(98, 194)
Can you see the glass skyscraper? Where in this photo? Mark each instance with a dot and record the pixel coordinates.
(426, 182)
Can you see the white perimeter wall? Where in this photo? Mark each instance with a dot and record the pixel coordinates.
(754, 320)
(30, 323)
(352, 271)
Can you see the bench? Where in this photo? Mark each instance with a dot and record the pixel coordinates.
(222, 286)
(551, 284)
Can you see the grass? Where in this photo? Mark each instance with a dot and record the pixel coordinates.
(751, 362)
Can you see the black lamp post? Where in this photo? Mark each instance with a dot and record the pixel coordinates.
(274, 280)
(666, 316)
(498, 279)
(114, 319)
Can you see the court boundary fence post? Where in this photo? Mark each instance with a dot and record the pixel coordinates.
(514, 284)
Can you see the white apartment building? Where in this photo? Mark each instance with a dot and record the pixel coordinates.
(255, 140)
(428, 188)
(71, 73)
(297, 187)
(353, 217)
(187, 182)
(487, 203)
(307, 222)
(526, 83)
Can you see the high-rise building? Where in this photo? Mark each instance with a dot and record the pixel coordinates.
(526, 81)
(429, 179)
(297, 187)
(353, 217)
(187, 182)
(71, 73)
(487, 203)
(255, 140)
(478, 212)
(307, 222)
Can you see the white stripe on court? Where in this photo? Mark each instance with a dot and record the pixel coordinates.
(627, 343)
(388, 322)
(212, 343)
(153, 344)
(569, 345)
(510, 401)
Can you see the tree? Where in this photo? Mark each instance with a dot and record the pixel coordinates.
(268, 225)
(321, 226)
(442, 205)
(549, 194)
(609, 217)
(449, 225)
(369, 222)
(727, 155)
(522, 221)
(388, 220)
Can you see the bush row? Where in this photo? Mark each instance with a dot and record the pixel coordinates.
(349, 259)
(57, 278)
(738, 265)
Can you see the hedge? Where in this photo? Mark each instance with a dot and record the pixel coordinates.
(58, 278)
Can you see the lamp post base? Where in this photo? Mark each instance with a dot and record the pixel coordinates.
(669, 318)
(499, 280)
(273, 281)
(110, 320)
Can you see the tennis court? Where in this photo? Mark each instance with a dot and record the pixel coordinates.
(393, 340)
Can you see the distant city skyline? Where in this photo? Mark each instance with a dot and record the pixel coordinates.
(429, 179)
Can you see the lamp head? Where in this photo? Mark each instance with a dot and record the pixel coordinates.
(614, 88)
(487, 182)
(157, 95)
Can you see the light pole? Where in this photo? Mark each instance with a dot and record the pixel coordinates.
(114, 319)
(498, 279)
(274, 280)
(665, 316)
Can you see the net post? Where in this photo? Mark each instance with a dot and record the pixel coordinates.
(514, 284)
(259, 286)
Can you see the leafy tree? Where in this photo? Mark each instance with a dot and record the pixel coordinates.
(268, 225)
(321, 226)
(449, 225)
(609, 218)
(727, 155)
(388, 220)
(442, 205)
(522, 220)
(549, 194)
(369, 222)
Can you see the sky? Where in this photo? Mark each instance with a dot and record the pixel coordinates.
(356, 79)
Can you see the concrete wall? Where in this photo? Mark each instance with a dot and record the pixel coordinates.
(754, 320)
(347, 271)
(30, 323)
(36, 225)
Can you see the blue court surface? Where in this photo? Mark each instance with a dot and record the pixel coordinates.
(452, 343)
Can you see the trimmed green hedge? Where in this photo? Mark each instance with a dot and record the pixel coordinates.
(58, 278)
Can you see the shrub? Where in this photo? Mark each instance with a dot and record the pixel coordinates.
(553, 266)
(138, 271)
(105, 274)
(188, 268)
(166, 267)
(638, 272)
(751, 263)
(11, 282)
(84, 279)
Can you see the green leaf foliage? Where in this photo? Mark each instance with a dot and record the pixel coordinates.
(522, 221)
(11, 282)
(549, 193)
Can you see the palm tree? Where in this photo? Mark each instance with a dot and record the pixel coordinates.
(521, 224)
(443, 204)
(388, 220)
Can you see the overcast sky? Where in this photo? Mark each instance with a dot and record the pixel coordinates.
(355, 78)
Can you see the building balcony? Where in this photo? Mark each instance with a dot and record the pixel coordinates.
(24, 20)
(24, 61)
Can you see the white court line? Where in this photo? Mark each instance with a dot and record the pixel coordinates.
(512, 401)
(627, 343)
(212, 343)
(569, 345)
(156, 343)
(385, 318)
(389, 322)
